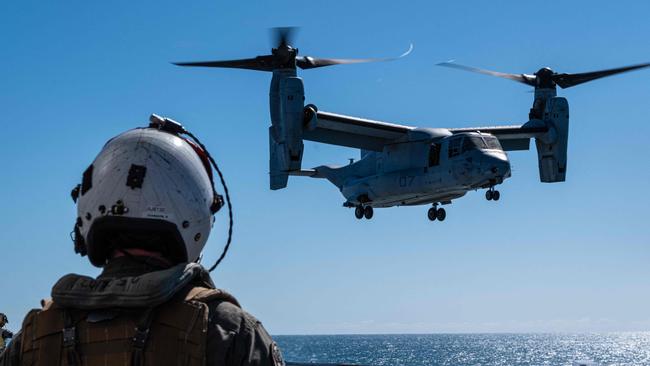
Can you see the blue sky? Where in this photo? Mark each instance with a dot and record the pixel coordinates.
(546, 257)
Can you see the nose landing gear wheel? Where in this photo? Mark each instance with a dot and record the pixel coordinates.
(432, 214)
(368, 212)
(488, 195)
(358, 212)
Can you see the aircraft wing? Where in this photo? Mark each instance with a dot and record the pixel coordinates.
(512, 138)
(337, 129)
(366, 134)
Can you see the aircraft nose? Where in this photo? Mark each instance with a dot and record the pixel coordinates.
(496, 165)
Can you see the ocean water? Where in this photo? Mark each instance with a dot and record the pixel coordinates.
(470, 349)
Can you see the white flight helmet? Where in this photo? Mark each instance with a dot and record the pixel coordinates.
(146, 182)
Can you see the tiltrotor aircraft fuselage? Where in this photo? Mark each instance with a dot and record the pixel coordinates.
(414, 166)
(404, 165)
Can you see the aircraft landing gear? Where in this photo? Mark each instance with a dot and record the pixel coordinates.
(360, 212)
(492, 194)
(436, 213)
(432, 214)
(368, 212)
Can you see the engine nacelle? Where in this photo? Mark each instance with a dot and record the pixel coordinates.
(287, 97)
(552, 148)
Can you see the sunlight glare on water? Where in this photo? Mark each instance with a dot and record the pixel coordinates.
(471, 349)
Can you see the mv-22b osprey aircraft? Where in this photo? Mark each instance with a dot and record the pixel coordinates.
(404, 165)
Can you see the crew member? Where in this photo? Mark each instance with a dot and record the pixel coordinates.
(145, 209)
(4, 333)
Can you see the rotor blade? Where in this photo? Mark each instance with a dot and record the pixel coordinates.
(283, 36)
(569, 80)
(262, 63)
(522, 78)
(307, 62)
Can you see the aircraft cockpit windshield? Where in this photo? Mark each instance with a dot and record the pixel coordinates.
(482, 142)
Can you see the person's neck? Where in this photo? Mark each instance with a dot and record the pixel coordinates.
(129, 265)
(139, 252)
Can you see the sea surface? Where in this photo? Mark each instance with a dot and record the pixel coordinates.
(470, 349)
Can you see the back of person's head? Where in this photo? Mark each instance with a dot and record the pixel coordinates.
(147, 189)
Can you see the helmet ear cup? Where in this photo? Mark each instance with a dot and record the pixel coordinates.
(217, 203)
(78, 239)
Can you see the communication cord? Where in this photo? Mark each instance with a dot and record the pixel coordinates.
(227, 194)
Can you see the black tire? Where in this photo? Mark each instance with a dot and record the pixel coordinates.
(432, 214)
(488, 195)
(496, 195)
(441, 215)
(368, 212)
(358, 212)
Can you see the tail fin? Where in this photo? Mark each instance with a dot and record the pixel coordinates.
(552, 151)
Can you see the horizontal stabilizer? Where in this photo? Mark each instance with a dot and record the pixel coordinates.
(304, 173)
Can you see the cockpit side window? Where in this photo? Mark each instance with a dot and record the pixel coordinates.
(473, 143)
(434, 155)
(454, 146)
(492, 143)
(482, 142)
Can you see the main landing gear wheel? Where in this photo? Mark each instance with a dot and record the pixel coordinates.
(432, 214)
(435, 213)
(368, 212)
(358, 212)
(492, 194)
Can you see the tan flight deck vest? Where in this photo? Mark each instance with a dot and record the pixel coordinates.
(173, 333)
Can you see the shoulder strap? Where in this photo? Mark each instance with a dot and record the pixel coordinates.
(140, 337)
(206, 295)
(38, 325)
(70, 339)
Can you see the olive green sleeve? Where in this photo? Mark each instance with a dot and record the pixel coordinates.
(236, 338)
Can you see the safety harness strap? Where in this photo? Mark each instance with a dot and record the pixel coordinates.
(140, 337)
(70, 339)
